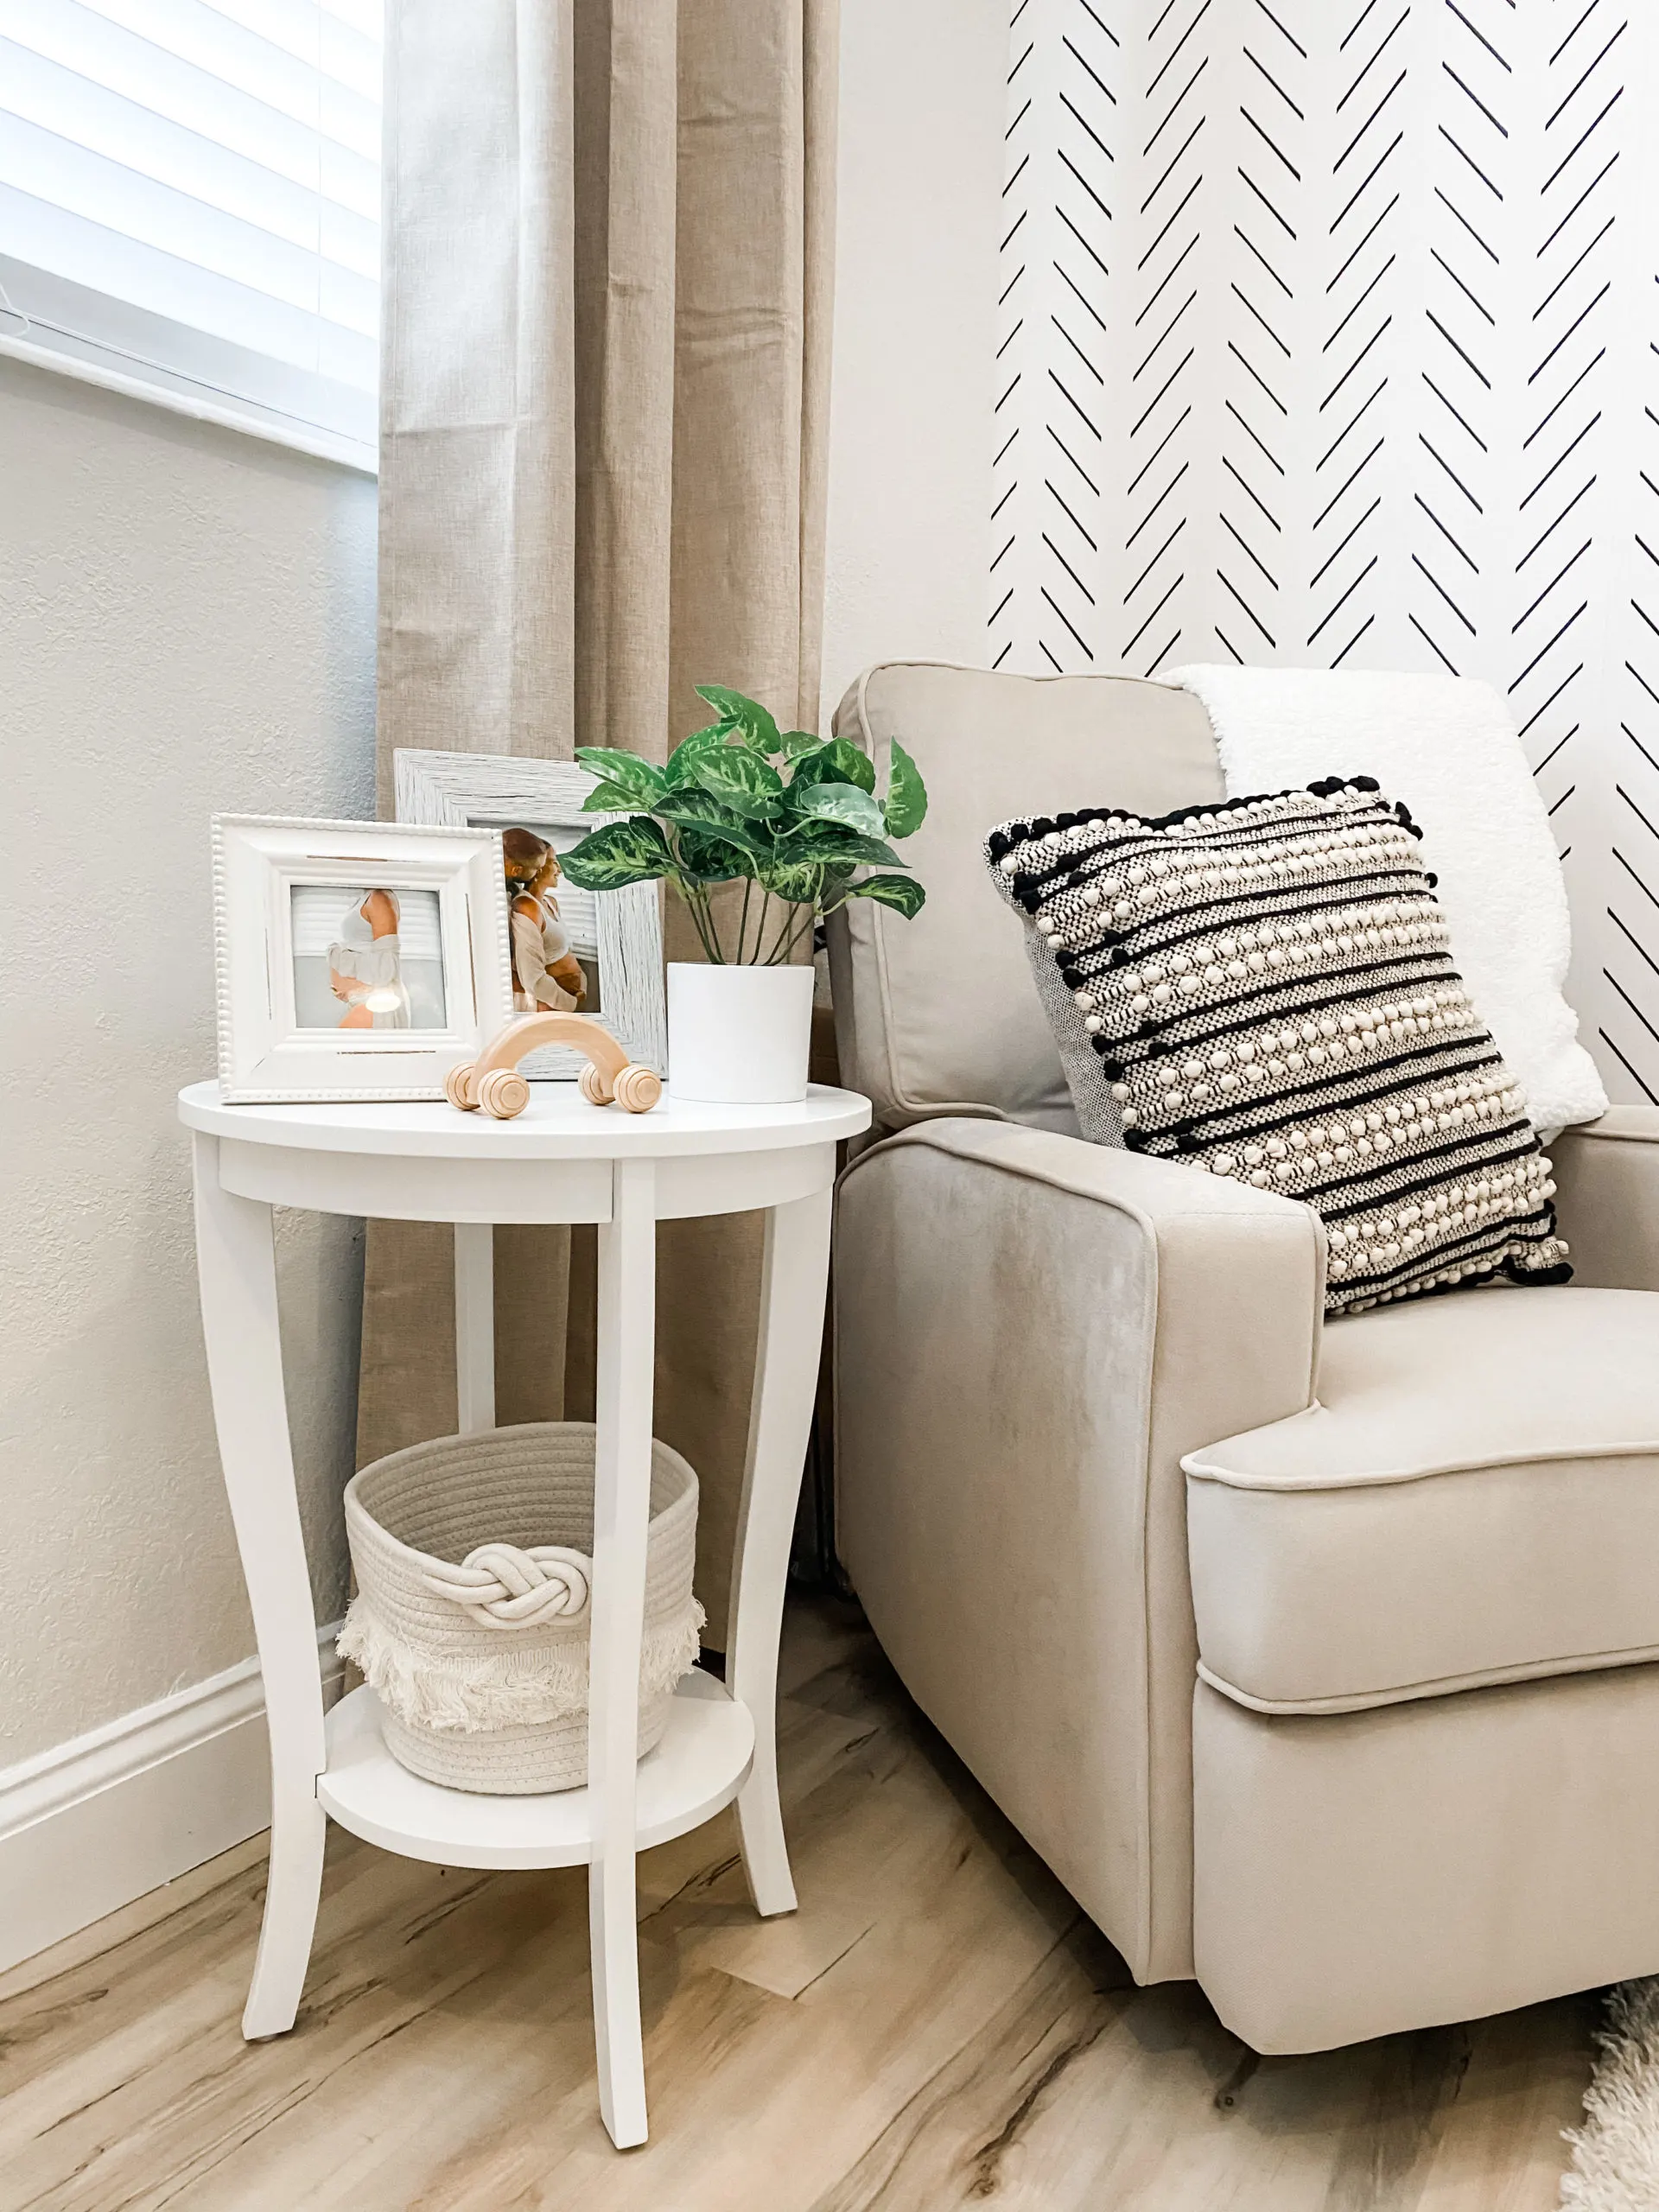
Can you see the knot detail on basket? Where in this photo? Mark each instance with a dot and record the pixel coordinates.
(502, 1586)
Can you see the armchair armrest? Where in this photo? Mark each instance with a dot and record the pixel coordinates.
(1607, 1197)
(1031, 1331)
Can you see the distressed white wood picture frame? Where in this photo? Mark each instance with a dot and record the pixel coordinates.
(267, 1053)
(499, 791)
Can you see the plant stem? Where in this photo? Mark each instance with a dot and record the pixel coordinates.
(696, 903)
(785, 944)
(782, 930)
(805, 934)
(703, 922)
(743, 919)
(699, 922)
(696, 900)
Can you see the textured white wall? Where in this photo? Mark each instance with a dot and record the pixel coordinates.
(919, 168)
(186, 626)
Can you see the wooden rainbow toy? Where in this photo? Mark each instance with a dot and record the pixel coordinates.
(492, 1083)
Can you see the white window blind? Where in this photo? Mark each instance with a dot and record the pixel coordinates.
(189, 203)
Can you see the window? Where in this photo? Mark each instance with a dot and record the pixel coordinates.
(189, 205)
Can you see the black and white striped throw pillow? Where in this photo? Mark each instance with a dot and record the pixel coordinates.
(1263, 989)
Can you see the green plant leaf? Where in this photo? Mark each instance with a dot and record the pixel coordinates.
(740, 779)
(610, 799)
(633, 851)
(901, 891)
(843, 803)
(906, 802)
(799, 883)
(693, 811)
(747, 716)
(829, 843)
(794, 742)
(641, 778)
(837, 762)
(684, 758)
(693, 804)
(712, 858)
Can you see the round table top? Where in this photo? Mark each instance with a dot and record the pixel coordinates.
(557, 1124)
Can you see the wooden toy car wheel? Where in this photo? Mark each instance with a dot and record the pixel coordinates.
(503, 1093)
(637, 1089)
(458, 1087)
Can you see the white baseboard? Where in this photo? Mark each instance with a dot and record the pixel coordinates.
(90, 1825)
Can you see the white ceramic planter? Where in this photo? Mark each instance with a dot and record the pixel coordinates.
(739, 1036)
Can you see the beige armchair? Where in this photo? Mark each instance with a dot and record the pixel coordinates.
(1319, 1661)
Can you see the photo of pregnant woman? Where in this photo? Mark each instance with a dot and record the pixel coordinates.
(555, 966)
(367, 957)
(364, 965)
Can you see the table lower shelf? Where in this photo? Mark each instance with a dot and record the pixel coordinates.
(701, 1764)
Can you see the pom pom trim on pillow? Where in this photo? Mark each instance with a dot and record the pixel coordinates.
(1267, 989)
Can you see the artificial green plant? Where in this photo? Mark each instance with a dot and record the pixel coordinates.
(719, 811)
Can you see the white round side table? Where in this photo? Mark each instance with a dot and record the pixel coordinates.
(561, 1160)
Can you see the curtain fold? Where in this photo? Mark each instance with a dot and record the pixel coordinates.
(608, 245)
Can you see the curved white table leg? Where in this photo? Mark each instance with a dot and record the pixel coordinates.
(237, 1266)
(626, 1351)
(475, 1327)
(794, 1278)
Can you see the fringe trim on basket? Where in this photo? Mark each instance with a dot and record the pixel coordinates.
(508, 1689)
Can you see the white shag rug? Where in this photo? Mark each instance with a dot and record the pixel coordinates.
(1615, 2152)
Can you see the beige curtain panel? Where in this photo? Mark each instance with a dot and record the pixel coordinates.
(607, 282)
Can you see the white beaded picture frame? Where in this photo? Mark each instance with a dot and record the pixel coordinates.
(500, 791)
(355, 960)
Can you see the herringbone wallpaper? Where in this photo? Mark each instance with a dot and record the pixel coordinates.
(1330, 333)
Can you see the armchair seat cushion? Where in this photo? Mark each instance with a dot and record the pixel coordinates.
(1472, 1499)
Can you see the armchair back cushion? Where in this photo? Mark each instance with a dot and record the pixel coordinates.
(937, 1015)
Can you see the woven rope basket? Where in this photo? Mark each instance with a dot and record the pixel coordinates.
(471, 1613)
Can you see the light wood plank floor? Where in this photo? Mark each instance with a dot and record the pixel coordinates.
(938, 2027)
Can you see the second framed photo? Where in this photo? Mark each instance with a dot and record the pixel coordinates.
(573, 952)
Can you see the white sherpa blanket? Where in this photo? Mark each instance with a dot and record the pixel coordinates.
(1615, 2152)
(1447, 747)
